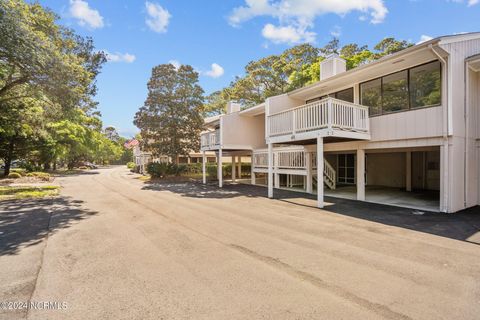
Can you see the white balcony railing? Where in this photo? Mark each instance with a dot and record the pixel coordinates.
(210, 139)
(283, 158)
(293, 159)
(327, 113)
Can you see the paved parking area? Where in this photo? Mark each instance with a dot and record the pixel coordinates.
(113, 247)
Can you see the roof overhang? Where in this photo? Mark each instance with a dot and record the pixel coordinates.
(474, 62)
(254, 111)
(212, 121)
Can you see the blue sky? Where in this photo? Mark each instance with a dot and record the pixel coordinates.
(219, 37)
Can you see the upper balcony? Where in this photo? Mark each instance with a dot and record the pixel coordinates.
(210, 140)
(236, 131)
(326, 117)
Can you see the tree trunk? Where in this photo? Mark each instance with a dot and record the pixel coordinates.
(54, 164)
(46, 166)
(9, 157)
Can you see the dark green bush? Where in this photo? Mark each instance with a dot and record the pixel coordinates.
(158, 170)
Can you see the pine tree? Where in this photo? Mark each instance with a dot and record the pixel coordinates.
(170, 120)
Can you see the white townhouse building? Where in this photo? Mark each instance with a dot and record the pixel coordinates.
(402, 130)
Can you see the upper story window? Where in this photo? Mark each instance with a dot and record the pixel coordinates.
(345, 95)
(408, 89)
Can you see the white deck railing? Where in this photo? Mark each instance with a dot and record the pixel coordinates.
(210, 139)
(291, 158)
(327, 113)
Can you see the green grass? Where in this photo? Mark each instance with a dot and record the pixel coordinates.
(28, 192)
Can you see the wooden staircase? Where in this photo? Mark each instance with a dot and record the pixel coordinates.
(329, 176)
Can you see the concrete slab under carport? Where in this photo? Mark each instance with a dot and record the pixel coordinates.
(421, 200)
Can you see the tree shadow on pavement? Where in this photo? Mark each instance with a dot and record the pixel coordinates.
(463, 225)
(27, 222)
(199, 190)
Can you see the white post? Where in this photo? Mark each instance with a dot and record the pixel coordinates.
(308, 165)
(252, 173)
(270, 170)
(219, 169)
(320, 172)
(204, 174)
(233, 169)
(408, 171)
(361, 174)
(239, 167)
(276, 175)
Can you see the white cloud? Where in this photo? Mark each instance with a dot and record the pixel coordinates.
(85, 15)
(287, 34)
(120, 57)
(336, 32)
(469, 2)
(175, 63)
(215, 72)
(296, 17)
(424, 38)
(158, 17)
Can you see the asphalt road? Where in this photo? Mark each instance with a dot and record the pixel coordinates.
(112, 247)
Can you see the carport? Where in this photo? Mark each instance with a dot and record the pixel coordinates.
(406, 178)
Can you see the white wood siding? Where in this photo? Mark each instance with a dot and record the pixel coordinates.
(420, 123)
(243, 132)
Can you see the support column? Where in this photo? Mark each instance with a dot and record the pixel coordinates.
(220, 169)
(239, 167)
(308, 163)
(361, 174)
(204, 174)
(233, 169)
(320, 172)
(252, 173)
(408, 171)
(270, 170)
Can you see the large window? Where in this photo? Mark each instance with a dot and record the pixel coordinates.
(346, 168)
(345, 95)
(371, 96)
(395, 92)
(425, 84)
(412, 88)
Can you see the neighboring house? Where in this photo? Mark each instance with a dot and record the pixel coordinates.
(142, 158)
(402, 130)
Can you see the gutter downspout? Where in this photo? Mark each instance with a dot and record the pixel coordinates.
(465, 117)
(445, 130)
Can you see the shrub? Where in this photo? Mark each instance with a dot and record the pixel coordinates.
(159, 170)
(40, 175)
(130, 165)
(14, 175)
(20, 171)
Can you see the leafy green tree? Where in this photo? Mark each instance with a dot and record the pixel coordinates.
(391, 45)
(330, 48)
(215, 103)
(170, 118)
(359, 58)
(111, 134)
(47, 78)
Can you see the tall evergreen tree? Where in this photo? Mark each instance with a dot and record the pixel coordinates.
(170, 119)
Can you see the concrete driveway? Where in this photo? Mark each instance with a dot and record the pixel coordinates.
(112, 247)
